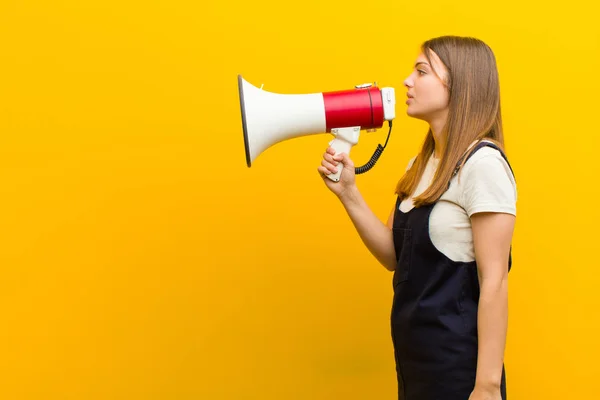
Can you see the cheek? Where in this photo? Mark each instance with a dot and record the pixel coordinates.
(435, 92)
(443, 98)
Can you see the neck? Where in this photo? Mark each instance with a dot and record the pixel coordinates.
(436, 130)
(437, 125)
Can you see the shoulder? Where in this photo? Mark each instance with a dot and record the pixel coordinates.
(487, 163)
(487, 183)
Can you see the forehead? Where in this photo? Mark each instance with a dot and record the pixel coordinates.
(437, 63)
(421, 59)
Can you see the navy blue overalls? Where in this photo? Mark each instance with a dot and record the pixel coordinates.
(434, 313)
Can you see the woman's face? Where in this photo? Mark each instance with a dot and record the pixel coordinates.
(427, 93)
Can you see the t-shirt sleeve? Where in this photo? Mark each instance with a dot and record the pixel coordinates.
(488, 186)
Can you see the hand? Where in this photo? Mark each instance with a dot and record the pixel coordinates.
(480, 393)
(330, 165)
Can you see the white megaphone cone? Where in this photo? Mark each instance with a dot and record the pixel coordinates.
(270, 118)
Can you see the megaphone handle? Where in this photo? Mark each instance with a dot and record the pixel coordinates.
(340, 146)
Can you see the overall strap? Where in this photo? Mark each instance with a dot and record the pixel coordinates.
(478, 146)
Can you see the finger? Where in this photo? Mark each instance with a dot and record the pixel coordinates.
(330, 167)
(344, 159)
(330, 159)
(339, 156)
(323, 172)
(330, 150)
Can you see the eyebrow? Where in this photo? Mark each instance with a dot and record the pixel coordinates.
(422, 62)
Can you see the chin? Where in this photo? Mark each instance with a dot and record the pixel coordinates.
(414, 114)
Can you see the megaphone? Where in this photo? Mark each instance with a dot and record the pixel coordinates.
(269, 118)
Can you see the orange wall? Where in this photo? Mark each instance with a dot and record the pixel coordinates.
(141, 259)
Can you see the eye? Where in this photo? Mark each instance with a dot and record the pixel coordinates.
(421, 72)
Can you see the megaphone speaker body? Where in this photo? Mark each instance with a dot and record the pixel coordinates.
(269, 118)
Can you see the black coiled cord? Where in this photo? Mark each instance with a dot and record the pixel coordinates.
(364, 168)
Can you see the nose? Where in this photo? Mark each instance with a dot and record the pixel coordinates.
(408, 82)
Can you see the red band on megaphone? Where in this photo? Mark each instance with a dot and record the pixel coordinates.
(358, 107)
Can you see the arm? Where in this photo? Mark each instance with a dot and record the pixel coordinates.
(375, 235)
(492, 235)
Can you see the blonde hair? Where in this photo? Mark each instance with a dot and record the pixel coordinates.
(473, 112)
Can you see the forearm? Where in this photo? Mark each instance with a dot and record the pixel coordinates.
(375, 234)
(492, 328)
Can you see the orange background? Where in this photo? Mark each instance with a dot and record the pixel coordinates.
(142, 259)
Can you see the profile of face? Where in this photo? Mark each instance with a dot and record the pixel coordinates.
(427, 92)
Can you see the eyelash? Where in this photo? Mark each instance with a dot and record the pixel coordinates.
(421, 72)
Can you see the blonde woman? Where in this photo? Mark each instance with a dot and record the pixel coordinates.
(448, 237)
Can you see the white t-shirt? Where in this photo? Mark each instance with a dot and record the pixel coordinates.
(484, 184)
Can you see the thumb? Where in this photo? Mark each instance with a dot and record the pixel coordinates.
(344, 159)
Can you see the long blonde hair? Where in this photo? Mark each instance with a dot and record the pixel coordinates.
(473, 112)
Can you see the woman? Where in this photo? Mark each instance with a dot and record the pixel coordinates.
(448, 237)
